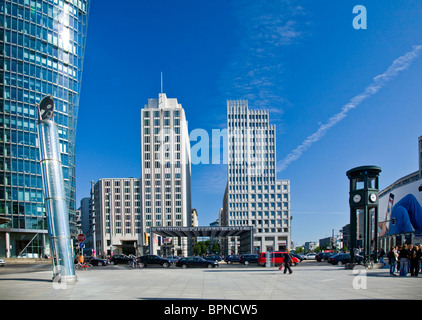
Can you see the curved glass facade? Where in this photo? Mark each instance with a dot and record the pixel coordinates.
(42, 45)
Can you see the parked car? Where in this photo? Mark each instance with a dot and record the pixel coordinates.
(298, 256)
(120, 259)
(2, 262)
(232, 258)
(322, 256)
(277, 258)
(151, 260)
(248, 258)
(339, 259)
(214, 257)
(172, 259)
(310, 256)
(195, 262)
(342, 258)
(96, 261)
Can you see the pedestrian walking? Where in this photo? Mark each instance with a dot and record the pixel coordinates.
(381, 254)
(420, 258)
(414, 261)
(404, 260)
(392, 260)
(286, 262)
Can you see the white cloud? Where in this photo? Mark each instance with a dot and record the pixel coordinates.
(398, 65)
(255, 73)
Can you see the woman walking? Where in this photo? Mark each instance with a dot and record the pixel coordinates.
(286, 261)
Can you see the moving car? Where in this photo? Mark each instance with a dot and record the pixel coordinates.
(339, 259)
(214, 257)
(151, 260)
(277, 258)
(96, 261)
(195, 262)
(120, 259)
(2, 262)
(232, 258)
(323, 256)
(342, 258)
(248, 258)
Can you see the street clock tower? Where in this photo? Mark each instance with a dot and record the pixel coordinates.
(364, 198)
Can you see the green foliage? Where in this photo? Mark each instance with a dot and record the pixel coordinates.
(203, 247)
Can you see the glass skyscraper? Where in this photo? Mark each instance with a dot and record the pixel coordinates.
(42, 45)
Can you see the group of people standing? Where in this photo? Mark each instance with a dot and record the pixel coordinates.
(405, 259)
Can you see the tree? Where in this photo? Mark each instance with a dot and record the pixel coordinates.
(201, 247)
(215, 247)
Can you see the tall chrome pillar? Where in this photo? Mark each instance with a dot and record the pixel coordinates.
(54, 193)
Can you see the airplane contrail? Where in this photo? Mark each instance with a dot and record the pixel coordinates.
(398, 65)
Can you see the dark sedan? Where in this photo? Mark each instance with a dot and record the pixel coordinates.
(195, 262)
(120, 259)
(97, 261)
(232, 258)
(342, 258)
(339, 259)
(323, 256)
(248, 258)
(153, 260)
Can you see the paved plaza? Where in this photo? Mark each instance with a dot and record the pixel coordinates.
(310, 281)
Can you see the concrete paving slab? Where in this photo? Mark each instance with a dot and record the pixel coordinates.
(310, 281)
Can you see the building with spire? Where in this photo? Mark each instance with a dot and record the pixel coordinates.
(165, 171)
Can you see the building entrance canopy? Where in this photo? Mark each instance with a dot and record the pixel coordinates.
(244, 233)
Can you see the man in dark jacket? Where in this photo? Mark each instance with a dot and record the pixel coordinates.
(404, 256)
(415, 256)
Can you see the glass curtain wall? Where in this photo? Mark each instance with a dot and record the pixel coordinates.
(42, 45)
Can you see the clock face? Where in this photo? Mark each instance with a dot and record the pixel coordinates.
(373, 197)
(356, 198)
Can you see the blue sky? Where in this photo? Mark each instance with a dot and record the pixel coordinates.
(301, 60)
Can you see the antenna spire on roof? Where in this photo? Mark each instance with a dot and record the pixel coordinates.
(161, 81)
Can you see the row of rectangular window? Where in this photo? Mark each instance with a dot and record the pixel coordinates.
(259, 188)
(116, 183)
(29, 111)
(252, 196)
(27, 48)
(166, 113)
(46, 14)
(167, 210)
(21, 194)
(27, 75)
(20, 144)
